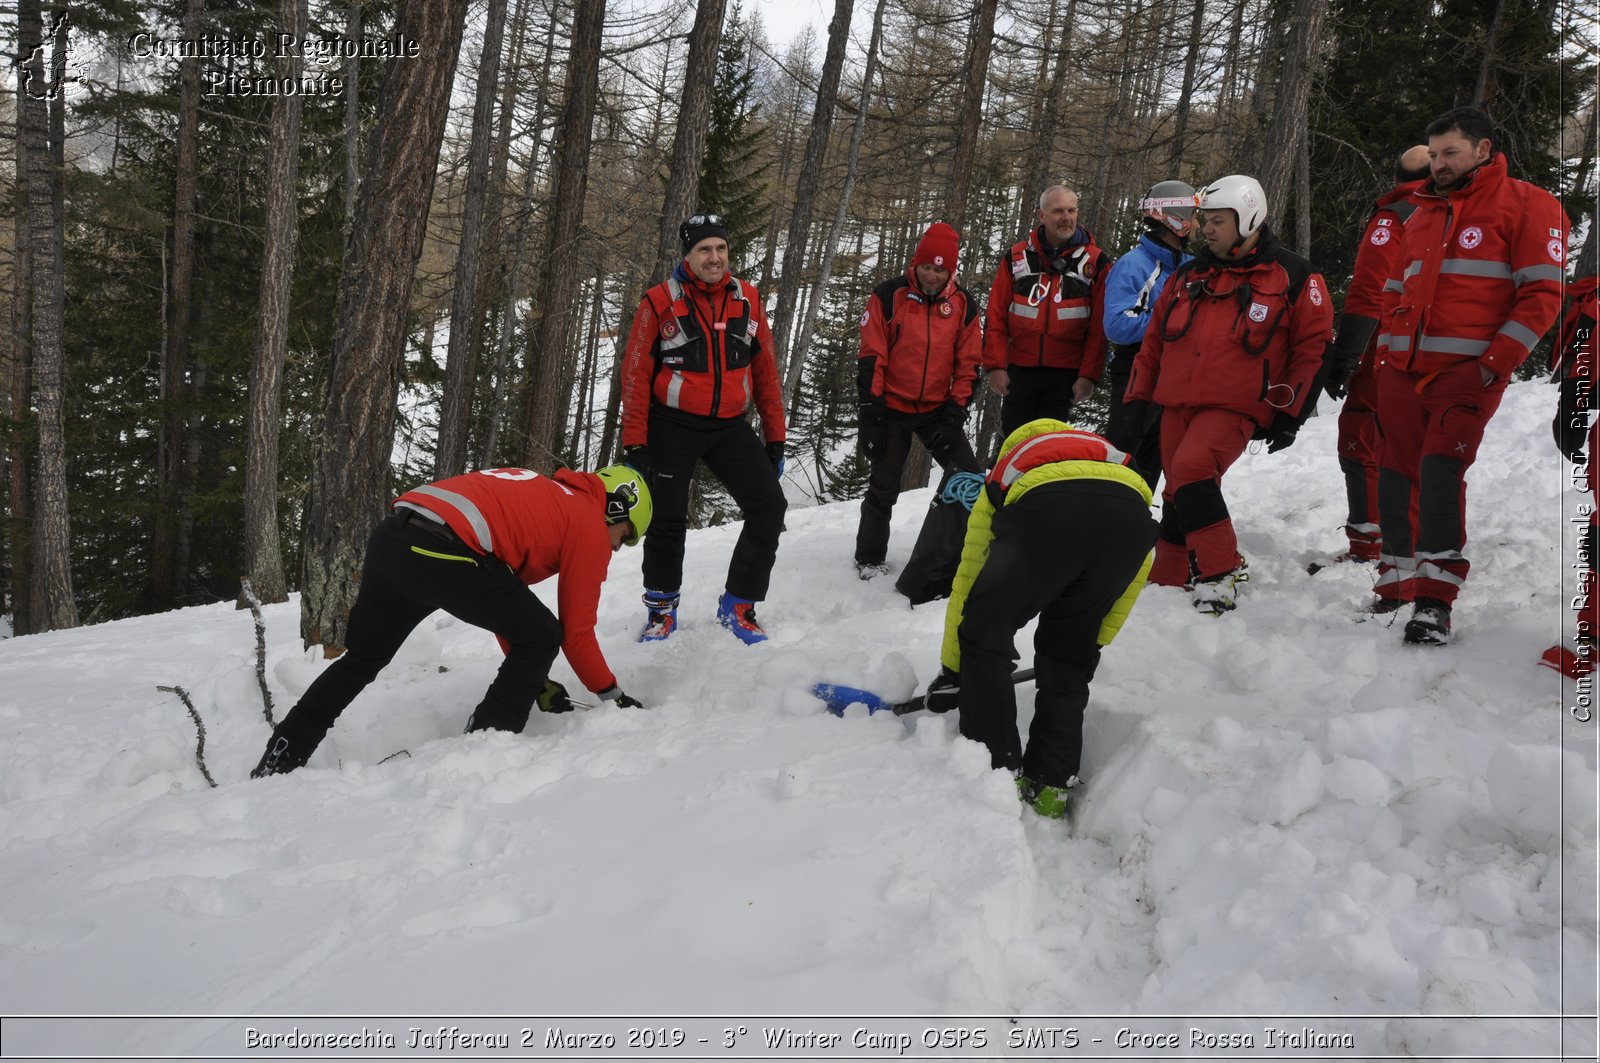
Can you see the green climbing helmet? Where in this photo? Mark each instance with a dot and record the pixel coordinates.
(627, 498)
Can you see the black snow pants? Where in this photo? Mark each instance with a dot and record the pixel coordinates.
(1063, 552)
(946, 443)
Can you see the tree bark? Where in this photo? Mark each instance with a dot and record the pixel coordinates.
(19, 381)
(1034, 171)
(53, 605)
(164, 574)
(460, 374)
(1185, 93)
(349, 481)
(689, 141)
(1289, 117)
(571, 181)
(966, 150)
(805, 193)
(352, 119)
(263, 553)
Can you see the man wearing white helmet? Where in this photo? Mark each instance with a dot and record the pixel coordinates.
(471, 545)
(1134, 285)
(1233, 347)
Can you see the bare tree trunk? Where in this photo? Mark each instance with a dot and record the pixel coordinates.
(19, 379)
(1484, 92)
(1096, 215)
(263, 553)
(689, 142)
(802, 338)
(461, 371)
(583, 425)
(1302, 210)
(164, 574)
(982, 43)
(1289, 112)
(349, 481)
(1034, 171)
(805, 193)
(1186, 93)
(352, 118)
(788, 123)
(53, 604)
(571, 179)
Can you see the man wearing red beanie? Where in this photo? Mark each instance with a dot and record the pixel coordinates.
(920, 343)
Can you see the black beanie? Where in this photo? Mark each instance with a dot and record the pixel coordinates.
(701, 227)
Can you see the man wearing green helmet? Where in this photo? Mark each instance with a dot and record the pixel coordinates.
(471, 545)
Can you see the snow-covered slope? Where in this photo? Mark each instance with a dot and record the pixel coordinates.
(1287, 811)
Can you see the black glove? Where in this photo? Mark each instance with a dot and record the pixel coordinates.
(873, 418)
(623, 701)
(1342, 356)
(1136, 417)
(1570, 426)
(953, 414)
(944, 692)
(1338, 379)
(554, 698)
(775, 455)
(1280, 434)
(638, 459)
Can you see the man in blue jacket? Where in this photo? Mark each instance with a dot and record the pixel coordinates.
(1131, 290)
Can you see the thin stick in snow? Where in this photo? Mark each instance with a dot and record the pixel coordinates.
(261, 648)
(199, 730)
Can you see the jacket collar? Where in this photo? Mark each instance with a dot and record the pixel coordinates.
(1486, 177)
(684, 276)
(1077, 239)
(1400, 192)
(1266, 250)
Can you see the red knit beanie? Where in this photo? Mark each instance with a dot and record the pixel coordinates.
(937, 247)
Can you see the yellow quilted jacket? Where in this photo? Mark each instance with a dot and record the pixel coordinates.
(980, 530)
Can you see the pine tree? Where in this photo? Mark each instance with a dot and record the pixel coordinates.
(733, 175)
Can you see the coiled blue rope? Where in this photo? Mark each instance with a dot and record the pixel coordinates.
(962, 487)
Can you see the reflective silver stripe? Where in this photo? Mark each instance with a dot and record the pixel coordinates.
(1068, 313)
(1024, 310)
(463, 505)
(421, 511)
(1399, 343)
(1014, 469)
(1412, 270)
(674, 388)
(674, 288)
(1452, 345)
(1364, 529)
(1428, 567)
(1529, 274)
(1384, 339)
(1476, 267)
(1521, 333)
(1392, 285)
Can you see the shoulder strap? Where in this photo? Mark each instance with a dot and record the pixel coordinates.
(886, 293)
(972, 306)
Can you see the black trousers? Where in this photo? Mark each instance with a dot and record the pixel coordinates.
(734, 454)
(948, 446)
(1036, 392)
(1064, 552)
(410, 572)
(1145, 449)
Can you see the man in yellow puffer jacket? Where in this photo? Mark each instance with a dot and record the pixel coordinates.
(1063, 532)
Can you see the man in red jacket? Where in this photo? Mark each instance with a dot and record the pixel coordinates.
(1481, 282)
(699, 354)
(1044, 342)
(1230, 353)
(920, 343)
(1351, 372)
(471, 545)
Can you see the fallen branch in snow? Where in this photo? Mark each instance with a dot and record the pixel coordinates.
(250, 598)
(200, 732)
(397, 753)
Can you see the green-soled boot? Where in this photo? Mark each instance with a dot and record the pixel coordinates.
(1048, 801)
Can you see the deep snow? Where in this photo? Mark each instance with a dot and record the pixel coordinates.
(1287, 813)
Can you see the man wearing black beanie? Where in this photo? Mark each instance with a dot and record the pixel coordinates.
(700, 353)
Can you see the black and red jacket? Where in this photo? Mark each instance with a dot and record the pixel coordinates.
(917, 353)
(701, 349)
(1244, 334)
(1040, 317)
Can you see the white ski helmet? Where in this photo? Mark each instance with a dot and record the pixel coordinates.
(1171, 203)
(1240, 194)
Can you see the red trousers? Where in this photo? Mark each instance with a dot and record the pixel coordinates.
(1198, 444)
(1360, 450)
(1432, 425)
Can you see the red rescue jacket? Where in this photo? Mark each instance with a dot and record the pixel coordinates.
(1037, 317)
(1246, 335)
(1577, 353)
(918, 353)
(1481, 276)
(538, 526)
(700, 349)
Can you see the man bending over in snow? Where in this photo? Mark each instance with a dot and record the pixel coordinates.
(471, 545)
